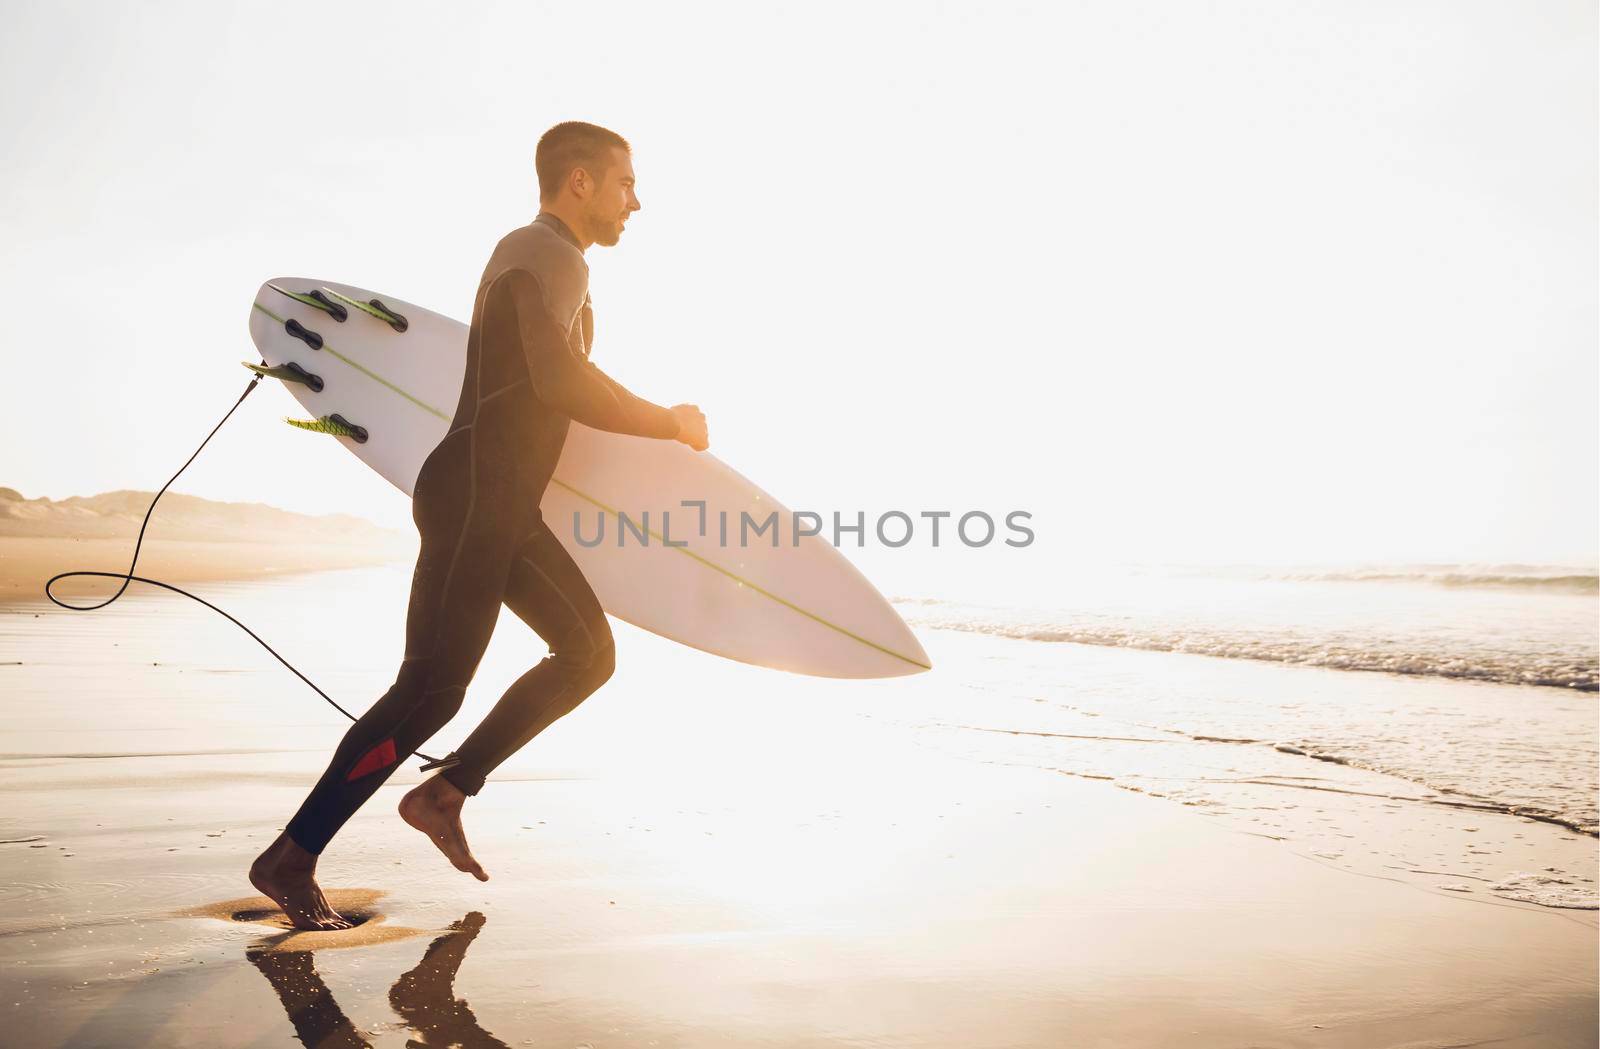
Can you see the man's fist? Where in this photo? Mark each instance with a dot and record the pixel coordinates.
(691, 426)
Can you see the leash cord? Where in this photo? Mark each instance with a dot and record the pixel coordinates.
(128, 576)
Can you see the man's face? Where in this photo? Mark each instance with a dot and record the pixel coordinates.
(612, 201)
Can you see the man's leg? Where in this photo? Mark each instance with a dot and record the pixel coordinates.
(456, 592)
(547, 591)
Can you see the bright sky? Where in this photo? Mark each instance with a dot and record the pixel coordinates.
(1240, 281)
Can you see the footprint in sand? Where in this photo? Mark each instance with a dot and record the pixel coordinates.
(359, 907)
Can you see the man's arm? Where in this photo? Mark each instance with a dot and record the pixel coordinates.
(561, 379)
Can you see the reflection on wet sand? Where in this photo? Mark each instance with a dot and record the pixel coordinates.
(318, 1020)
(424, 997)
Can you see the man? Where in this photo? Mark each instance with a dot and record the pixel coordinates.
(476, 506)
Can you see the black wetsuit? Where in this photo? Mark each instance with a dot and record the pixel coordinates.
(476, 507)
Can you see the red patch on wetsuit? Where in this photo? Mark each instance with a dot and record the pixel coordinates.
(379, 757)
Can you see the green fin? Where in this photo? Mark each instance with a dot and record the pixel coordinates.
(330, 424)
(333, 309)
(275, 372)
(288, 372)
(394, 320)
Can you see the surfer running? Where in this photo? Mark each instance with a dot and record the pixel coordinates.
(484, 541)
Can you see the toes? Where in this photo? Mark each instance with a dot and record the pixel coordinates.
(330, 920)
(467, 865)
(334, 919)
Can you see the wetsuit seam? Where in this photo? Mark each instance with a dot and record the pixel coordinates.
(472, 502)
(565, 599)
(504, 389)
(472, 495)
(461, 535)
(567, 686)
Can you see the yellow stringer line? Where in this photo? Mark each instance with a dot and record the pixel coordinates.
(589, 498)
(741, 580)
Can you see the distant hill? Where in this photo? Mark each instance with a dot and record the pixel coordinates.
(116, 515)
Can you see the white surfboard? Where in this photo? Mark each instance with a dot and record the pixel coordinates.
(781, 599)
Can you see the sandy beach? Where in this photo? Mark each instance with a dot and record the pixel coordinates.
(957, 906)
(669, 870)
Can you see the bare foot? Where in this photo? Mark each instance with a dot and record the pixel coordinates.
(286, 873)
(434, 807)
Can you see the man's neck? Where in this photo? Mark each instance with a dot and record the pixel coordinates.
(563, 225)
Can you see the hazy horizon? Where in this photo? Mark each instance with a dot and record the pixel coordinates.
(1245, 285)
(165, 508)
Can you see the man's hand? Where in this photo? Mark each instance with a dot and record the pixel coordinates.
(691, 426)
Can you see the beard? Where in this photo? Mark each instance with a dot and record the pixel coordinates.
(604, 231)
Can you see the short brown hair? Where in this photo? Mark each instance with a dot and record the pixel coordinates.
(573, 144)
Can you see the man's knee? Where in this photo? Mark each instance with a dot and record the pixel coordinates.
(604, 663)
(590, 665)
(437, 692)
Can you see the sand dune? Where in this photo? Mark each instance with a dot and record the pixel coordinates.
(189, 539)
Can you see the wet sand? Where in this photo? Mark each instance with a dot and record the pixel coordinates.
(795, 897)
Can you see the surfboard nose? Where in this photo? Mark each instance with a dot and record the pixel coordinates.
(908, 655)
(917, 657)
(921, 655)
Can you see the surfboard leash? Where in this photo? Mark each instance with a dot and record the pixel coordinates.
(128, 576)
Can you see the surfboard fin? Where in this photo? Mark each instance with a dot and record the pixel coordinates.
(376, 308)
(315, 299)
(335, 424)
(290, 372)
